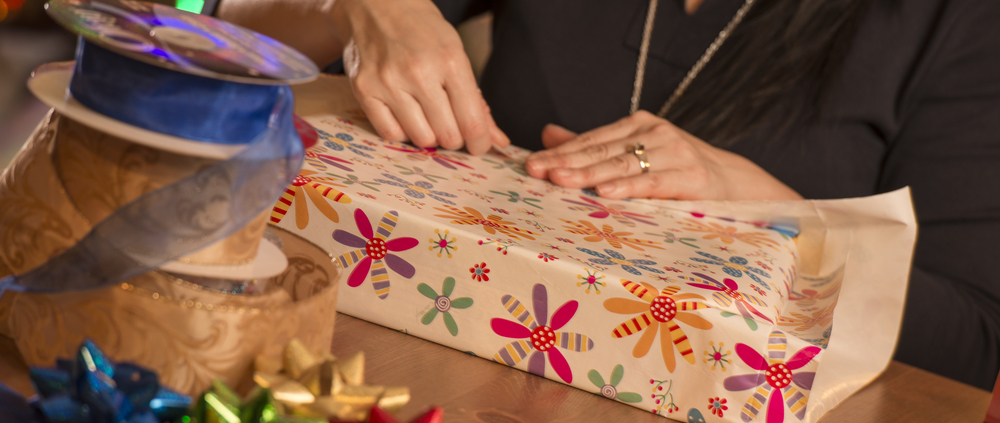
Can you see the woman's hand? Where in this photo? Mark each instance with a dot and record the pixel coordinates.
(681, 166)
(411, 75)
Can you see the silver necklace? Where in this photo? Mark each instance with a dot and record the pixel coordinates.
(640, 67)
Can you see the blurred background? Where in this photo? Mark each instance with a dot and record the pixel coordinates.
(28, 38)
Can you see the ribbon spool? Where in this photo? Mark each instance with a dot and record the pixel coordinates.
(226, 146)
(136, 92)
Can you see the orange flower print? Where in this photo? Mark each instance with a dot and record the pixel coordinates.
(491, 224)
(659, 313)
(729, 234)
(607, 233)
(316, 188)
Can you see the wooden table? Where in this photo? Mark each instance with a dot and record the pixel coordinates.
(472, 389)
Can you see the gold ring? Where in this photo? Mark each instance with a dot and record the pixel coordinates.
(639, 151)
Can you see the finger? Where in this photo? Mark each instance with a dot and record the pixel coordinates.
(600, 171)
(592, 155)
(384, 121)
(411, 117)
(623, 128)
(676, 184)
(472, 117)
(539, 163)
(554, 135)
(437, 109)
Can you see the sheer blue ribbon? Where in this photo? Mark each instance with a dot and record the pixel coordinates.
(149, 97)
(192, 213)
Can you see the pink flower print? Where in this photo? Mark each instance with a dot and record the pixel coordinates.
(774, 380)
(616, 211)
(442, 243)
(319, 161)
(727, 293)
(374, 252)
(537, 337)
(480, 272)
(422, 154)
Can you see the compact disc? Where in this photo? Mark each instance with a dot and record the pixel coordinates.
(183, 41)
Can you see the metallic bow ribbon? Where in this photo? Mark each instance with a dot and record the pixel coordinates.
(220, 404)
(323, 386)
(92, 389)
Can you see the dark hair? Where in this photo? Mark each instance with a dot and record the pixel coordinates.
(776, 67)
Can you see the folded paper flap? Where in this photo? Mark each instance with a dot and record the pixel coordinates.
(871, 300)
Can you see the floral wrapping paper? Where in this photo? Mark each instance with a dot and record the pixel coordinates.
(687, 314)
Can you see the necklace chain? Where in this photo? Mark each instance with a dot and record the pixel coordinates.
(640, 67)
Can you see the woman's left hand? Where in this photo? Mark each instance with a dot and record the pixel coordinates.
(681, 166)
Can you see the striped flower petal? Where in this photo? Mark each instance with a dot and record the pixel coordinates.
(519, 311)
(574, 342)
(513, 353)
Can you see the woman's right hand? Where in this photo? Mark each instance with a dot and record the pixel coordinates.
(411, 75)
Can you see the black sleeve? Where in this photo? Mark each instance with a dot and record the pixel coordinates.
(948, 152)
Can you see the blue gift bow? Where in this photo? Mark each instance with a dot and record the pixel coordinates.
(164, 224)
(92, 389)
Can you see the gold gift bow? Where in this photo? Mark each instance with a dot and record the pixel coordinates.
(323, 386)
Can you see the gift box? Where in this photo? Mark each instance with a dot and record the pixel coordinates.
(689, 310)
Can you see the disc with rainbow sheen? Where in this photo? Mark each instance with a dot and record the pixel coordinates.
(178, 40)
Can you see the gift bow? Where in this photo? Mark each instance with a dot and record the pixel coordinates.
(220, 404)
(323, 386)
(92, 389)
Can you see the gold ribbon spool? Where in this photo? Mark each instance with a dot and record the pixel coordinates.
(189, 336)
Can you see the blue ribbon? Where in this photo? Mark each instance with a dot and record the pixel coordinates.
(147, 96)
(190, 214)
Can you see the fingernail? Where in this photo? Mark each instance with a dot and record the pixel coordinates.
(562, 173)
(606, 189)
(535, 163)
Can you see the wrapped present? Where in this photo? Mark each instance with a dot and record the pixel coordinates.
(744, 310)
